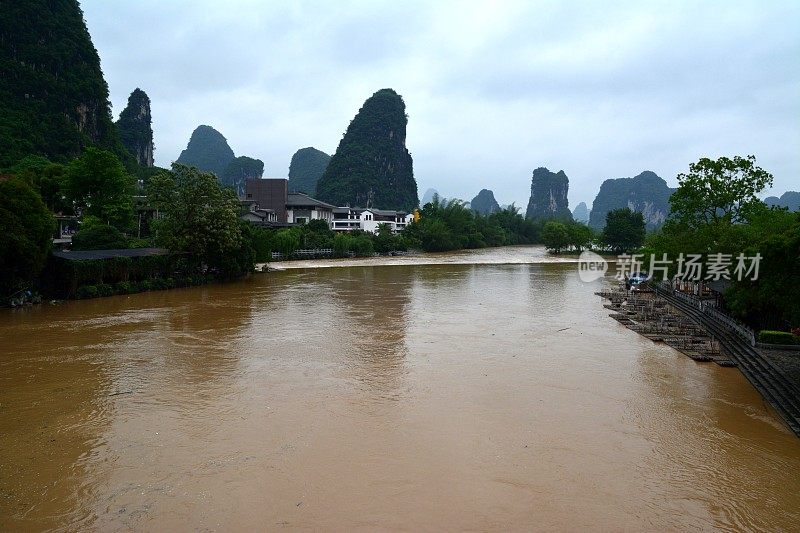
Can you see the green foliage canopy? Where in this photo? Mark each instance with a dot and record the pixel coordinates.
(624, 231)
(98, 237)
(96, 182)
(724, 189)
(53, 98)
(201, 218)
(26, 233)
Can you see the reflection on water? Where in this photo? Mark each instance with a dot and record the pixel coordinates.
(446, 393)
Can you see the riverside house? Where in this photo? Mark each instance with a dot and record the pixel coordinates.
(268, 202)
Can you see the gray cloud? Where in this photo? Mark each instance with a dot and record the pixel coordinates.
(493, 89)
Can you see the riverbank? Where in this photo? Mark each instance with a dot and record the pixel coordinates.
(510, 255)
(662, 316)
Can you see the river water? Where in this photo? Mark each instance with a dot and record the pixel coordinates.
(481, 390)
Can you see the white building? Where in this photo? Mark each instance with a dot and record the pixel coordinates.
(359, 218)
(301, 209)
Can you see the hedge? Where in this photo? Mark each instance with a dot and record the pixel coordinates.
(777, 337)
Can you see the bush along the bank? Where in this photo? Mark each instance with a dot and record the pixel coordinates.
(132, 287)
(452, 226)
(777, 337)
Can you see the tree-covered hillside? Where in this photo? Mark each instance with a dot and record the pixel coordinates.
(306, 168)
(207, 150)
(53, 98)
(646, 193)
(135, 128)
(371, 166)
(239, 170)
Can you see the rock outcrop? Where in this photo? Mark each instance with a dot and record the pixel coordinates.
(484, 203)
(372, 166)
(239, 170)
(135, 128)
(306, 168)
(581, 213)
(789, 199)
(207, 150)
(549, 196)
(53, 97)
(646, 193)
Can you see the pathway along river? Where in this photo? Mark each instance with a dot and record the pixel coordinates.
(490, 391)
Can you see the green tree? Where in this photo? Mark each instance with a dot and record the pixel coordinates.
(97, 184)
(342, 244)
(624, 231)
(725, 189)
(201, 218)
(48, 179)
(580, 236)
(363, 246)
(384, 239)
(26, 233)
(287, 241)
(555, 236)
(98, 237)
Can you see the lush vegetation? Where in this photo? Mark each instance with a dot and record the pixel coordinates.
(450, 226)
(316, 235)
(61, 153)
(371, 166)
(98, 236)
(567, 236)
(97, 185)
(777, 337)
(53, 98)
(624, 230)
(201, 221)
(716, 210)
(26, 231)
(306, 168)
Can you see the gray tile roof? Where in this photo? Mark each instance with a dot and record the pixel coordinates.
(300, 199)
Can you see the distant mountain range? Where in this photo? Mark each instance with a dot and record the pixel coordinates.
(789, 199)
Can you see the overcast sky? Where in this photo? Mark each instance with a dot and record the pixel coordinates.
(492, 89)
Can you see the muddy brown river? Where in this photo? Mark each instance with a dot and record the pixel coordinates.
(485, 390)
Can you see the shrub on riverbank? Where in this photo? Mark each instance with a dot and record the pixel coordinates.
(777, 337)
(86, 292)
(452, 226)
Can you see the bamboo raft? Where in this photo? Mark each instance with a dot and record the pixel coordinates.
(654, 318)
